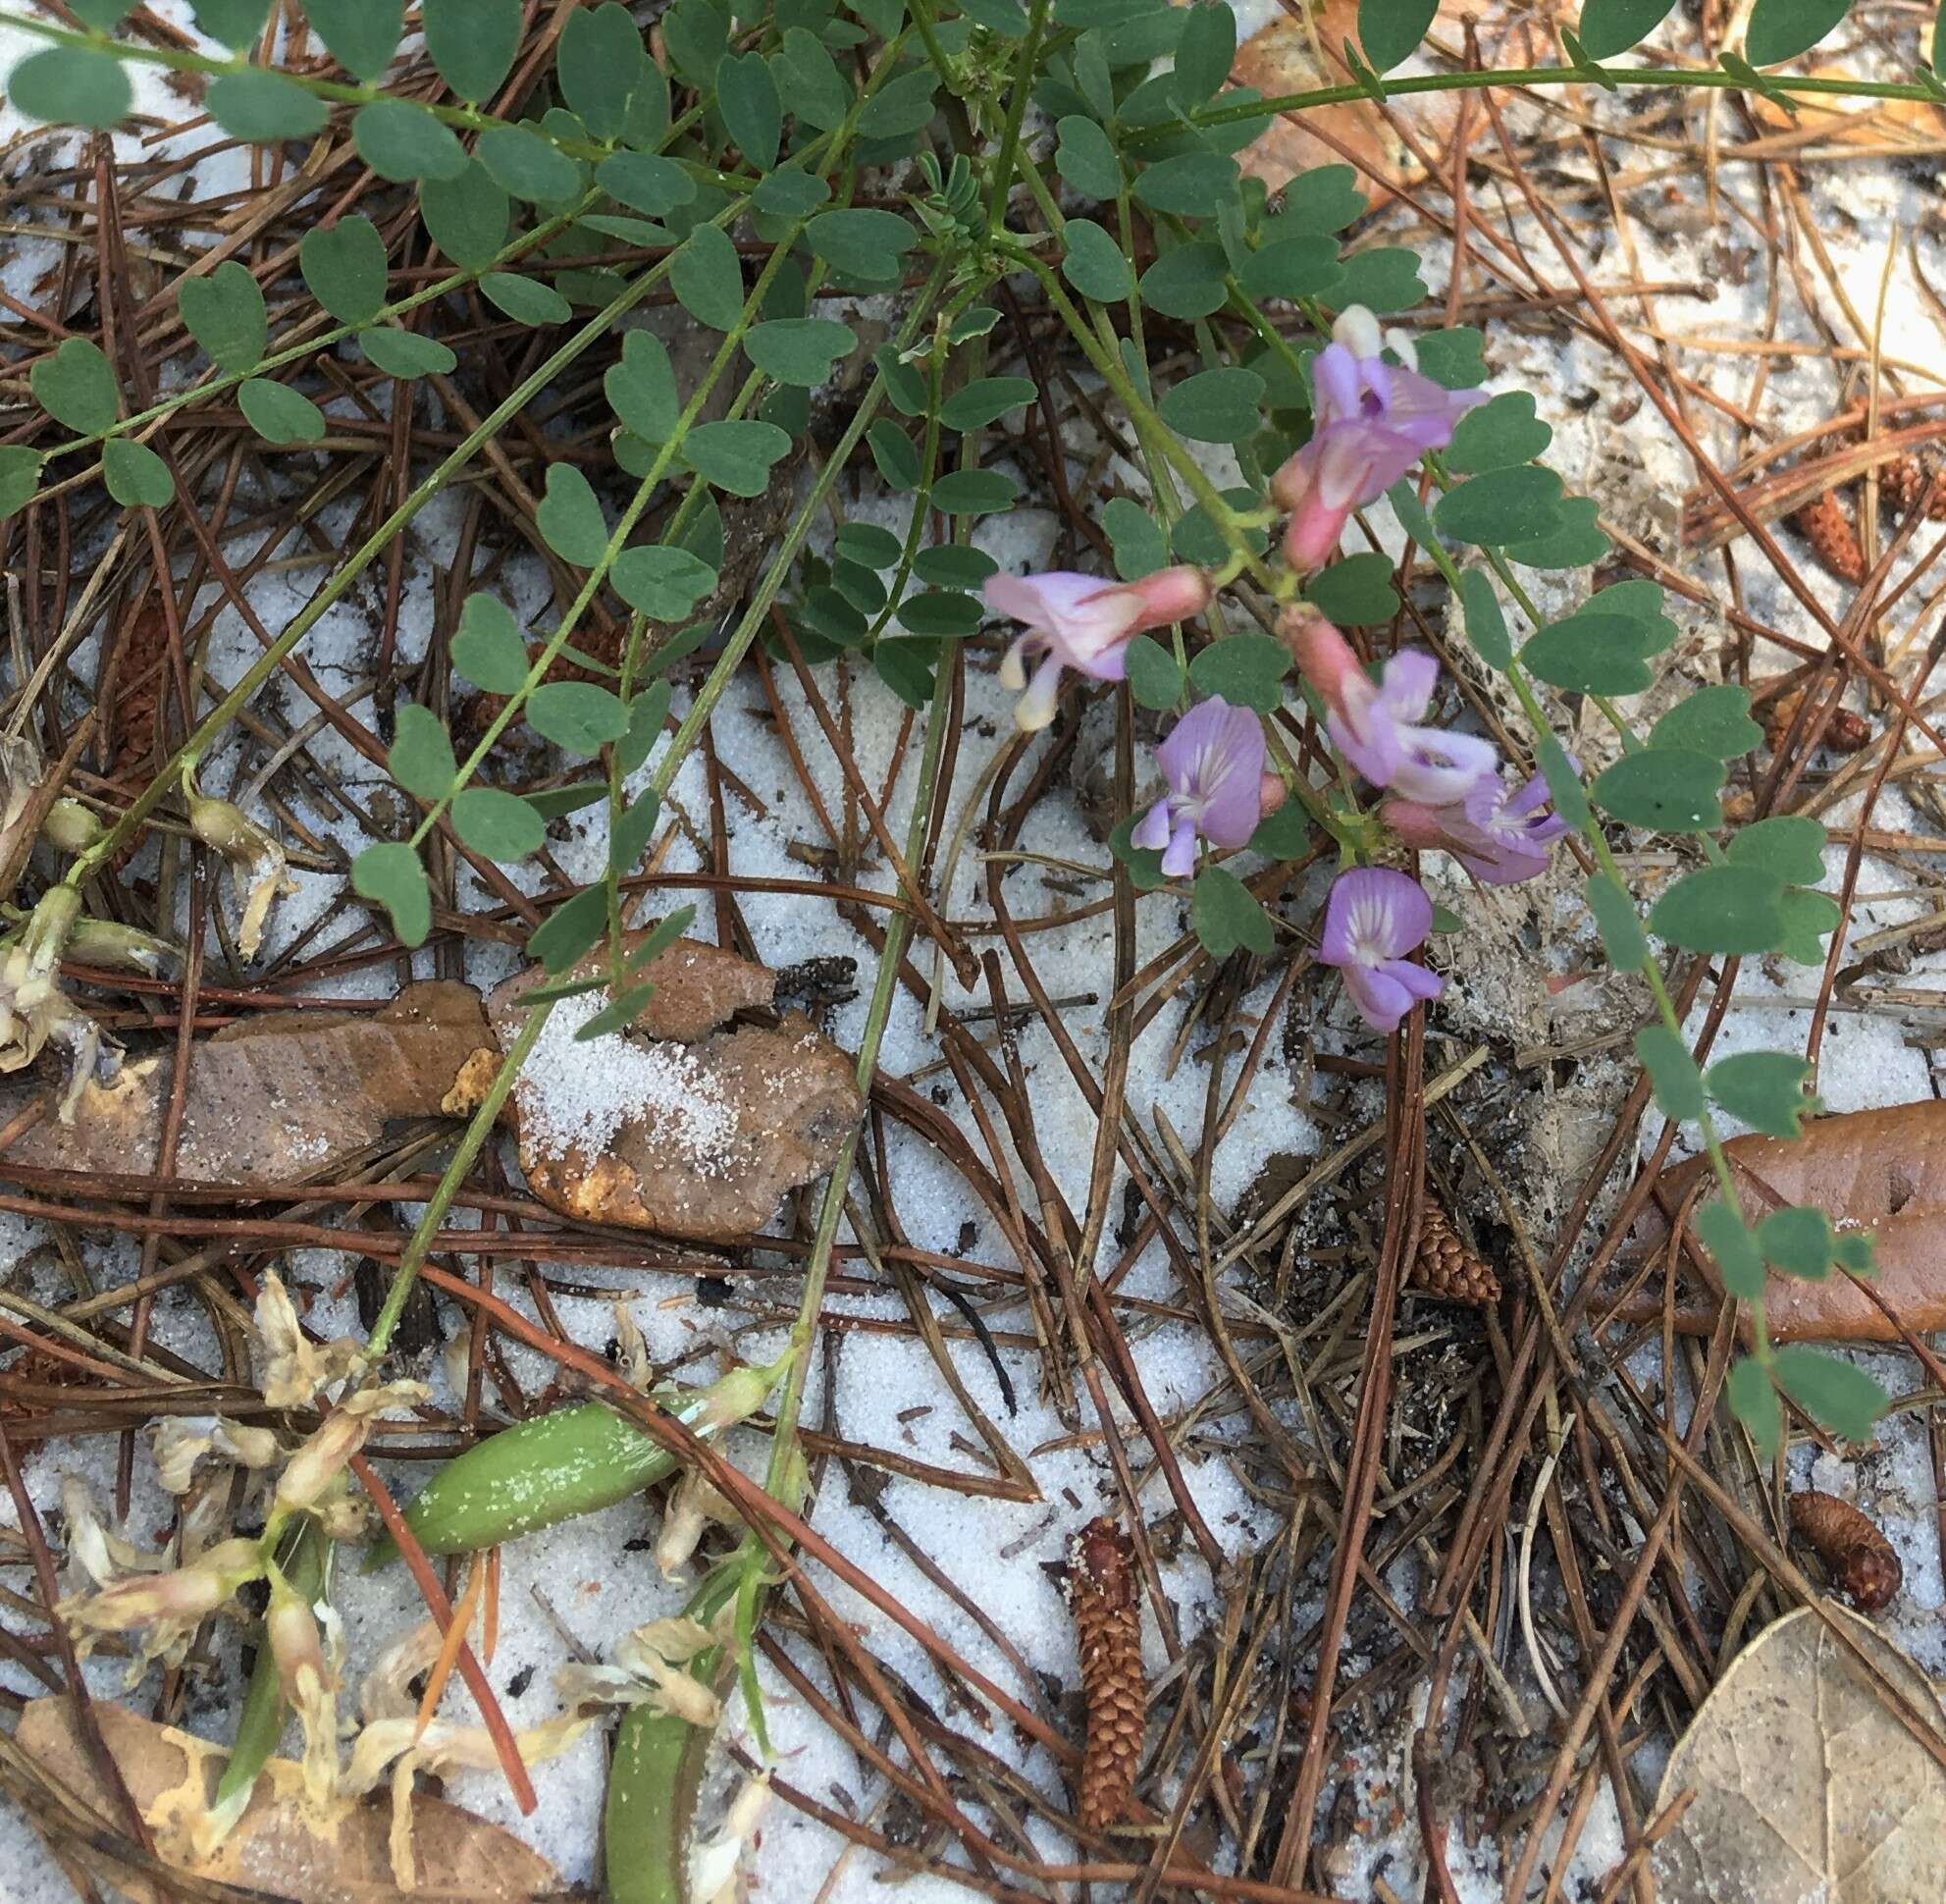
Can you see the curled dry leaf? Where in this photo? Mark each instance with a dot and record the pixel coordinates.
(1809, 1784)
(284, 1844)
(681, 1123)
(274, 1098)
(1882, 1170)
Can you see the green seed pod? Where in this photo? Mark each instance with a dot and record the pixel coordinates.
(653, 1780)
(571, 1461)
(70, 828)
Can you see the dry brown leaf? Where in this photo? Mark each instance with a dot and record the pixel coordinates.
(271, 1098)
(676, 1126)
(1809, 1784)
(282, 1844)
(1883, 1170)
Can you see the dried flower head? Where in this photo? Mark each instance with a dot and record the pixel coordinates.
(651, 1668)
(696, 1503)
(34, 1012)
(321, 1457)
(166, 1607)
(296, 1370)
(182, 1441)
(257, 863)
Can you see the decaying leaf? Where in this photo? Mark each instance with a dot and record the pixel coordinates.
(282, 1096)
(1809, 1784)
(283, 1845)
(1882, 1170)
(675, 1124)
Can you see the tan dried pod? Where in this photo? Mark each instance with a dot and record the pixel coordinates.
(1444, 1267)
(1823, 523)
(1108, 1632)
(1857, 1556)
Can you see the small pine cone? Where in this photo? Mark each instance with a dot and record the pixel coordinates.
(1901, 484)
(1843, 734)
(1444, 1267)
(1108, 1631)
(1823, 523)
(1857, 1555)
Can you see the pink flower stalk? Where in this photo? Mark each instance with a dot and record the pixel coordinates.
(1371, 422)
(1373, 919)
(1378, 727)
(1500, 834)
(1082, 622)
(1213, 759)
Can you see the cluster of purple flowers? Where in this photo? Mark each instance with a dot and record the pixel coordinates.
(1372, 420)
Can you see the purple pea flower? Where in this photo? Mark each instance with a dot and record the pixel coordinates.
(1213, 759)
(1499, 833)
(1373, 918)
(1082, 622)
(1378, 726)
(1371, 422)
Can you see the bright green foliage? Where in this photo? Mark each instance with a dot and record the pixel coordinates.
(225, 314)
(391, 875)
(1227, 917)
(345, 267)
(1677, 1083)
(1765, 1088)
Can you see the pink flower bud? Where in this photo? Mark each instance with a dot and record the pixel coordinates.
(1171, 595)
(1272, 793)
(1324, 658)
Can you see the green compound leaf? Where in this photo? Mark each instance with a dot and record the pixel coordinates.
(746, 97)
(642, 386)
(421, 755)
(472, 43)
(1730, 1240)
(498, 825)
(1246, 670)
(1485, 622)
(902, 108)
(235, 23)
(664, 583)
(790, 194)
(390, 874)
(1834, 1393)
(76, 387)
(225, 314)
(1503, 506)
(1390, 30)
(574, 928)
(136, 477)
(489, 649)
(649, 710)
(1384, 279)
(1355, 591)
(1499, 435)
(799, 350)
(19, 477)
(524, 299)
(1782, 30)
(817, 95)
(1798, 1240)
(1227, 917)
(345, 267)
(707, 277)
(71, 85)
(264, 108)
(1204, 54)
(402, 142)
(1137, 537)
(1791, 846)
(405, 353)
(1188, 281)
(1665, 789)
(361, 35)
(1765, 1090)
(1154, 678)
(893, 452)
(941, 612)
(867, 543)
(1293, 267)
(1809, 917)
(570, 517)
(737, 457)
(1731, 910)
(1320, 201)
(600, 64)
(974, 491)
(1754, 1402)
(528, 167)
(1085, 157)
(280, 414)
(1591, 653)
(1672, 1072)
(1214, 406)
(554, 802)
(577, 716)
(1455, 359)
(903, 665)
(1575, 540)
(1094, 264)
(1622, 936)
(632, 834)
(985, 400)
(1611, 27)
(466, 216)
(647, 183)
(1711, 720)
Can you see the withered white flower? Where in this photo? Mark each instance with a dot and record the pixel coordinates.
(295, 1370)
(34, 1012)
(648, 1670)
(632, 1351)
(164, 1608)
(182, 1441)
(386, 1691)
(697, 1501)
(321, 1457)
(95, 1555)
(713, 1861)
(257, 863)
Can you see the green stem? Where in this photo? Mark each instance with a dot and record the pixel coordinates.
(1023, 75)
